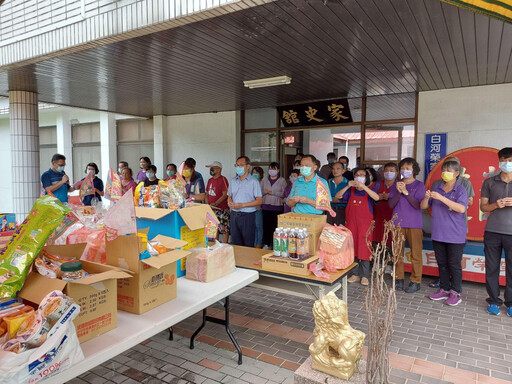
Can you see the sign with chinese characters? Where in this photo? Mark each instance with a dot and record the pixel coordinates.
(435, 150)
(317, 113)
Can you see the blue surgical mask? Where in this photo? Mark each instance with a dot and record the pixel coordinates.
(361, 179)
(60, 169)
(406, 173)
(305, 171)
(170, 173)
(389, 176)
(240, 171)
(91, 171)
(256, 176)
(150, 175)
(506, 166)
(331, 161)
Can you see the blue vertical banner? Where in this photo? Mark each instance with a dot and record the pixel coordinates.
(435, 150)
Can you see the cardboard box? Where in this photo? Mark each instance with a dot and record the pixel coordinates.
(154, 279)
(185, 224)
(313, 223)
(96, 294)
(7, 222)
(286, 265)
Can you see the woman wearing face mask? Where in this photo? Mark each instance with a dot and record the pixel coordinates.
(405, 198)
(449, 201)
(358, 216)
(382, 212)
(293, 175)
(151, 178)
(272, 188)
(171, 172)
(195, 185)
(144, 162)
(127, 181)
(336, 184)
(98, 184)
(257, 173)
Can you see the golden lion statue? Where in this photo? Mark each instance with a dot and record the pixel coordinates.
(337, 346)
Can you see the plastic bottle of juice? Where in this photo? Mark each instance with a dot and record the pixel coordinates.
(292, 244)
(300, 244)
(277, 242)
(284, 242)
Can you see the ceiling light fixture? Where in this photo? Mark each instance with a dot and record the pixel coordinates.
(268, 82)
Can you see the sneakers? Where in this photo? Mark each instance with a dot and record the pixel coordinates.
(413, 287)
(509, 311)
(365, 282)
(399, 285)
(454, 298)
(435, 283)
(493, 309)
(441, 294)
(354, 279)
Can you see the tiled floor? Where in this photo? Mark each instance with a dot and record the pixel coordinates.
(432, 343)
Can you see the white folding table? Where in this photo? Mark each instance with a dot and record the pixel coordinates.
(132, 329)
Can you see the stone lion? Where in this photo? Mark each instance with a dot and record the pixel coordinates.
(337, 347)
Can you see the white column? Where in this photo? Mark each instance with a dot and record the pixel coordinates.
(64, 141)
(160, 144)
(108, 135)
(24, 121)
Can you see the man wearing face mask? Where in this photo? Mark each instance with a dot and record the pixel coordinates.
(326, 170)
(55, 179)
(244, 195)
(302, 198)
(497, 199)
(217, 197)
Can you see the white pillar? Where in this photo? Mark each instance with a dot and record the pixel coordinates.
(24, 121)
(160, 145)
(64, 142)
(108, 135)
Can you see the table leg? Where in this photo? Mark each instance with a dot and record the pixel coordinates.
(344, 287)
(171, 334)
(224, 322)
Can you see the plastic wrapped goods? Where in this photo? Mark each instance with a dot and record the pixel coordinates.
(209, 264)
(26, 243)
(336, 247)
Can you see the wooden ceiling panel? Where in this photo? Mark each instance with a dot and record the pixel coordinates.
(341, 48)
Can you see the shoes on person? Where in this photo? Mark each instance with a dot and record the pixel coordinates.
(257, 246)
(365, 281)
(454, 298)
(413, 287)
(493, 309)
(509, 311)
(441, 294)
(435, 283)
(399, 285)
(354, 279)
(266, 247)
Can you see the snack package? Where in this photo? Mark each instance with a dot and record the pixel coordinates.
(26, 243)
(95, 239)
(49, 265)
(69, 224)
(147, 196)
(209, 264)
(336, 247)
(15, 322)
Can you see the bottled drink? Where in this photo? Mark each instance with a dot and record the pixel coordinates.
(277, 242)
(300, 245)
(284, 242)
(292, 244)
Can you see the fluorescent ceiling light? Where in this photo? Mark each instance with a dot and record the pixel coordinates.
(268, 82)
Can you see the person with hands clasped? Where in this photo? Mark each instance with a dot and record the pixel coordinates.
(358, 217)
(405, 197)
(449, 201)
(244, 195)
(496, 198)
(272, 188)
(382, 212)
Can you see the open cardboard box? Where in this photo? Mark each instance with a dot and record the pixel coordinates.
(96, 294)
(314, 224)
(185, 224)
(154, 279)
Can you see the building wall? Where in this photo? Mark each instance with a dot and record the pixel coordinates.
(206, 137)
(6, 203)
(475, 116)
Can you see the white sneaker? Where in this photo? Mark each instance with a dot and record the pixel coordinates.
(354, 279)
(266, 247)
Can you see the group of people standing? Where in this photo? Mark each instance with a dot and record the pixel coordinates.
(247, 208)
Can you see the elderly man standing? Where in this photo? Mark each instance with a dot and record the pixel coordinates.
(217, 196)
(55, 179)
(303, 195)
(244, 195)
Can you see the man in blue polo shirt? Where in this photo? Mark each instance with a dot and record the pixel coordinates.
(55, 179)
(303, 195)
(244, 195)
